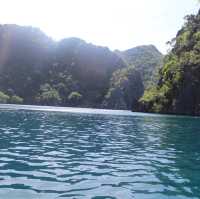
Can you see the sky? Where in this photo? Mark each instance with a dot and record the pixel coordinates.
(118, 24)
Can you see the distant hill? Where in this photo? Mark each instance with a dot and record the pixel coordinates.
(40, 70)
(34, 69)
(146, 59)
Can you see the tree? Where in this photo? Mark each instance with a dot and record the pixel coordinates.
(125, 89)
(74, 97)
(4, 98)
(48, 96)
(178, 88)
(16, 99)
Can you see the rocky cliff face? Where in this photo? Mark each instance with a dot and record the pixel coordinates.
(126, 87)
(34, 69)
(90, 66)
(178, 89)
(42, 71)
(146, 59)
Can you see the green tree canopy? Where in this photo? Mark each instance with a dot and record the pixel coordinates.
(16, 99)
(48, 95)
(4, 98)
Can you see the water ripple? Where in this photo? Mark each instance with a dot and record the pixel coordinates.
(51, 155)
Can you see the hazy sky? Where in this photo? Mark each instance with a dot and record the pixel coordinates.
(118, 24)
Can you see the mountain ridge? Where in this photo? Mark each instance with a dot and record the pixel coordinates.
(34, 69)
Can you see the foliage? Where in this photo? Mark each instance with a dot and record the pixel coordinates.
(4, 98)
(71, 72)
(48, 95)
(147, 60)
(16, 100)
(75, 98)
(125, 89)
(34, 60)
(179, 83)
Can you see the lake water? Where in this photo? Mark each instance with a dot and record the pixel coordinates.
(58, 153)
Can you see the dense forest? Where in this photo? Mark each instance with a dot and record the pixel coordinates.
(178, 88)
(34, 69)
(147, 60)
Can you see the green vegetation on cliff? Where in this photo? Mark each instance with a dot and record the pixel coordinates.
(147, 60)
(34, 69)
(125, 89)
(179, 84)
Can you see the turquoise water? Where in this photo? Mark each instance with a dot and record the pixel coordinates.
(97, 154)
